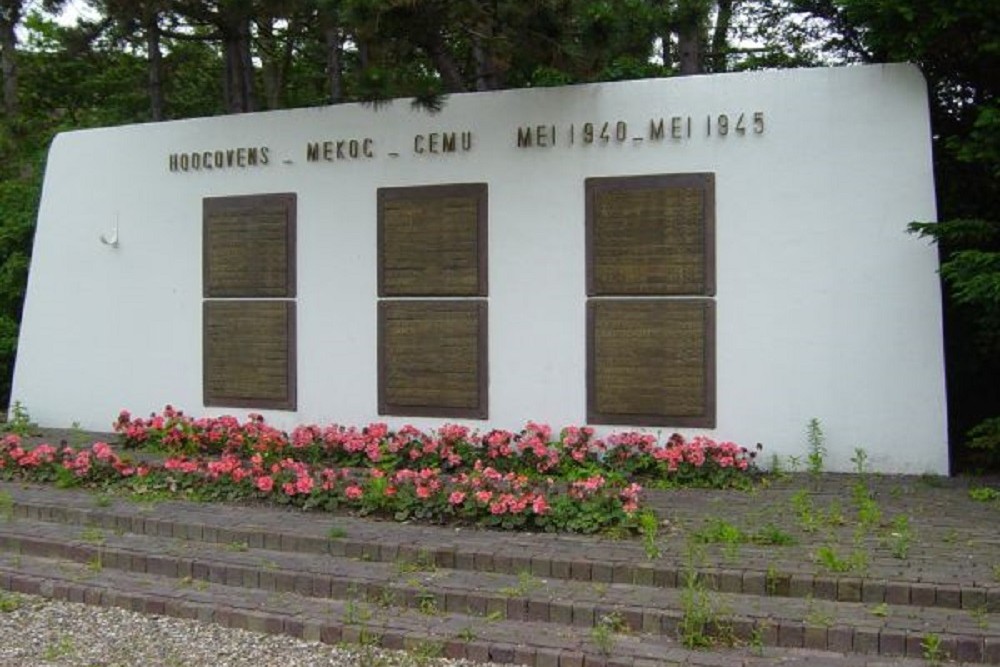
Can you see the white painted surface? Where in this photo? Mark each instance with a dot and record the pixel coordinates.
(826, 307)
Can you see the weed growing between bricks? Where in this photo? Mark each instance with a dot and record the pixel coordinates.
(530, 480)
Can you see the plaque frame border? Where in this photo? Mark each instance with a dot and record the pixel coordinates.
(479, 191)
(707, 420)
(224, 203)
(290, 402)
(705, 181)
(480, 411)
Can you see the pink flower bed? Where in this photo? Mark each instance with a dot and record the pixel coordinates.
(528, 479)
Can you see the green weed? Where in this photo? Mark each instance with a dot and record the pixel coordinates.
(775, 468)
(828, 558)
(701, 625)
(932, 650)
(817, 447)
(355, 613)
(869, 513)
(93, 535)
(980, 615)
(6, 506)
(719, 531)
(984, 494)
(772, 535)
(526, 582)
(860, 461)
(424, 562)
(386, 598)
(772, 580)
(802, 505)
(19, 421)
(697, 613)
(10, 602)
(603, 633)
(649, 526)
(427, 603)
(336, 533)
(834, 515)
(881, 610)
(817, 617)
(900, 537)
(756, 641)
(62, 648)
(427, 650)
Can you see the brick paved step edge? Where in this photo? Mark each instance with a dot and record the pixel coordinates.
(843, 627)
(453, 635)
(388, 542)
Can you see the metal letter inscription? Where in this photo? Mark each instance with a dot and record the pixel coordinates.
(249, 246)
(249, 354)
(651, 362)
(651, 235)
(432, 241)
(432, 358)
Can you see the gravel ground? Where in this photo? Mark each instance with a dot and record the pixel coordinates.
(36, 631)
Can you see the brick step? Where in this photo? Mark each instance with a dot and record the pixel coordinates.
(453, 635)
(817, 624)
(570, 557)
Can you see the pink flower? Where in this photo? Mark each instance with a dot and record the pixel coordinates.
(265, 483)
(102, 451)
(456, 497)
(353, 492)
(304, 484)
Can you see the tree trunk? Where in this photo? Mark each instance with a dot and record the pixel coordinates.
(246, 66)
(487, 76)
(334, 63)
(155, 66)
(238, 81)
(690, 17)
(689, 50)
(9, 17)
(720, 41)
(270, 67)
(451, 76)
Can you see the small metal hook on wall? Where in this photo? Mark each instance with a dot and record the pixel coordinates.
(112, 238)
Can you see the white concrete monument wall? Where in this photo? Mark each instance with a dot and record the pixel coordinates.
(826, 307)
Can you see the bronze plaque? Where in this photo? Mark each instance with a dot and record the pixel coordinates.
(249, 246)
(651, 362)
(651, 235)
(432, 358)
(432, 241)
(249, 354)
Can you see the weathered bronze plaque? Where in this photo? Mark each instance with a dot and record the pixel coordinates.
(249, 246)
(432, 240)
(651, 235)
(651, 362)
(432, 358)
(249, 354)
